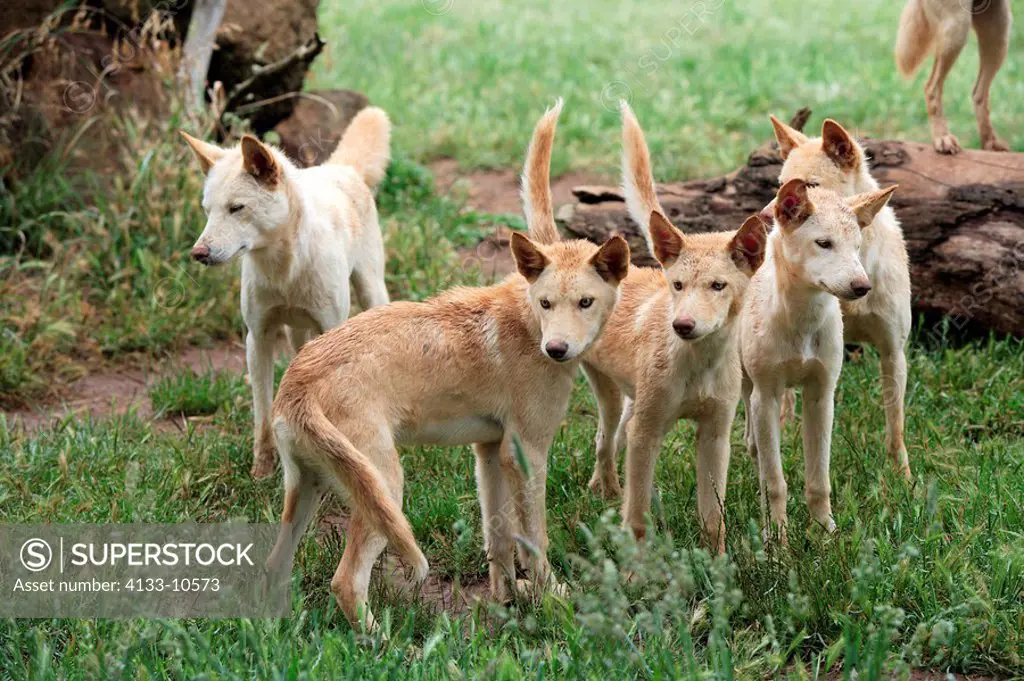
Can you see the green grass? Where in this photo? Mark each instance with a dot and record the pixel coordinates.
(471, 82)
(189, 394)
(926, 574)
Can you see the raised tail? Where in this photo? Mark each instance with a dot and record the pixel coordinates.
(914, 38)
(637, 178)
(368, 491)
(540, 215)
(366, 145)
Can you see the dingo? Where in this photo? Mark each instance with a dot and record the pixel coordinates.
(471, 366)
(670, 347)
(302, 234)
(791, 333)
(942, 27)
(836, 161)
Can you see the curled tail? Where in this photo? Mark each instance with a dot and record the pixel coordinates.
(368, 491)
(366, 145)
(540, 216)
(914, 38)
(637, 178)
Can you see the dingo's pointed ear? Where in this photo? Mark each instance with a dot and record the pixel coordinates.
(787, 137)
(207, 154)
(259, 161)
(839, 145)
(792, 205)
(866, 206)
(530, 259)
(747, 247)
(667, 240)
(612, 260)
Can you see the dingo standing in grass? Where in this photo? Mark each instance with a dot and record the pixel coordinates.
(302, 234)
(942, 27)
(836, 161)
(471, 366)
(670, 347)
(791, 333)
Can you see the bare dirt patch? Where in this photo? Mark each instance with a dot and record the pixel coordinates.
(113, 392)
(497, 191)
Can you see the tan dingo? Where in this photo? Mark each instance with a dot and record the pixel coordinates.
(302, 234)
(836, 161)
(472, 366)
(942, 27)
(791, 333)
(670, 347)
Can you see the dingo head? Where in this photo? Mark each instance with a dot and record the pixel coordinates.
(820, 235)
(573, 284)
(245, 198)
(707, 273)
(834, 161)
(573, 289)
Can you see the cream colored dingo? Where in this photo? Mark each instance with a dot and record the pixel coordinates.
(791, 333)
(836, 161)
(670, 347)
(302, 234)
(474, 365)
(942, 27)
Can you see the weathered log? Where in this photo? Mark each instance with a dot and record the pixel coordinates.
(962, 216)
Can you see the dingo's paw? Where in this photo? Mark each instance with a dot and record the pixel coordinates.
(527, 587)
(994, 143)
(606, 489)
(263, 464)
(947, 144)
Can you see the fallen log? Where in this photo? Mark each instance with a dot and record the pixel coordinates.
(962, 216)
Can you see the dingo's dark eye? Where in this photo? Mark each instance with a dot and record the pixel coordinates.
(677, 285)
(824, 243)
(545, 303)
(586, 302)
(235, 207)
(717, 285)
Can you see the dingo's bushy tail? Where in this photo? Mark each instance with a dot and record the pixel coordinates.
(637, 178)
(914, 39)
(368, 491)
(366, 145)
(540, 215)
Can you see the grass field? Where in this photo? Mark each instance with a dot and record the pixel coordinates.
(921, 575)
(701, 75)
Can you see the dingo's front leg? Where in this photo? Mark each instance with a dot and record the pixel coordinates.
(894, 391)
(819, 408)
(530, 490)
(645, 432)
(259, 356)
(499, 517)
(712, 471)
(764, 406)
(605, 480)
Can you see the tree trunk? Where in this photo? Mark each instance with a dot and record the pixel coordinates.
(962, 216)
(206, 18)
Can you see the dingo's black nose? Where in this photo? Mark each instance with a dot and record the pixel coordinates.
(556, 349)
(684, 326)
(860, 288)
(201, 254)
